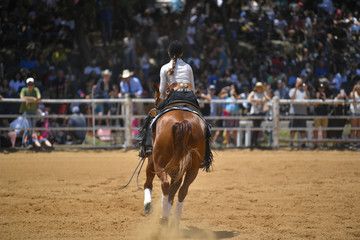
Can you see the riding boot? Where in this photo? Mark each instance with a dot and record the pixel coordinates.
(146, 135)
(148, 142)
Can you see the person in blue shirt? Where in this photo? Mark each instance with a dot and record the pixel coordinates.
(130, 84)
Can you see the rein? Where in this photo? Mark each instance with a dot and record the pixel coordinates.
(142, 160)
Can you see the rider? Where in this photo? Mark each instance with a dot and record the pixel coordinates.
(178, 76)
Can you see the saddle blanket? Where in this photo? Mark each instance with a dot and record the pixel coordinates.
(153, 123)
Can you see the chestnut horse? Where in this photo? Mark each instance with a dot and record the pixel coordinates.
(179, 148)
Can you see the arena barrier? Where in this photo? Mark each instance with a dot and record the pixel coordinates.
(125, 122)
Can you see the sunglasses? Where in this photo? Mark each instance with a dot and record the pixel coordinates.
(30, 84)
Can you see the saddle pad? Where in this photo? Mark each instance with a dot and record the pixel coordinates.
(153, 123)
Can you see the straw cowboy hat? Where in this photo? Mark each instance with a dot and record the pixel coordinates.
(259, 84)
(126, 73)
(106, 72)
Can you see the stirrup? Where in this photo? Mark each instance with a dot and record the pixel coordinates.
(145, 152)
(148, 151)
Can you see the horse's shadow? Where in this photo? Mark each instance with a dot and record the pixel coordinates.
(202, 233)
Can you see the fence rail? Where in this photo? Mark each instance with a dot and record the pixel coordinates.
(125, 115)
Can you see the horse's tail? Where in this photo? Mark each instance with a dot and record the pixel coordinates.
(181, 135)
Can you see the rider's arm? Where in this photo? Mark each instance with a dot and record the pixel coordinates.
(163, 81)
(191, 78)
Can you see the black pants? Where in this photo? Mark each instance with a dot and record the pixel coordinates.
(255, 133)
(176, 96)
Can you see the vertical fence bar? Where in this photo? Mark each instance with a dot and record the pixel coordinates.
(276, 122)
(93, 120)
(128, 122)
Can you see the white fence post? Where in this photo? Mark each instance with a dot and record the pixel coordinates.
(276, 122)
(93, 121)
(128, 122)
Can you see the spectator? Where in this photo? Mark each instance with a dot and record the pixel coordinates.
(321, 110)
(280, 27)
(41, 138)
(299, 92)
(230, 109)
(215, 110)
(28, 62)
(201, 94)
(258, 98)
(282, 92)
(129, 44)
(355, 114)
(92, 68)
(32, 95)
(145, 65)
(130, 84)
(103, 87)
(77, 120)
(339, 109)
(16, 84)
(59, 57)
(190, 33)
(339, 79)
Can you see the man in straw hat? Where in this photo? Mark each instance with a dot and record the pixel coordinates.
(130, 84)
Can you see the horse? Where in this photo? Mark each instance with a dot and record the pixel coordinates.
(179, 151)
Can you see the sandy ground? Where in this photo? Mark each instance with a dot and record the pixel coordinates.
(248, 195)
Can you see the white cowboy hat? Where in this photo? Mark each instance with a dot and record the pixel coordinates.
(29, 80)
(106, 72)
(126, 73)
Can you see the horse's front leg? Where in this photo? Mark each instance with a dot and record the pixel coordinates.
(150, 174)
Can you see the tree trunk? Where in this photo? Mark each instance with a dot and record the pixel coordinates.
(84, 48)
(232, 42)
(185, 18)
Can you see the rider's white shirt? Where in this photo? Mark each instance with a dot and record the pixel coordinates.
(182, 74)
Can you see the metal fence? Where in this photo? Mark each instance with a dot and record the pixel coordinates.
(122, 130)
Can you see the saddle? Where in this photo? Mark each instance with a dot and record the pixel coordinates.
(178, 103)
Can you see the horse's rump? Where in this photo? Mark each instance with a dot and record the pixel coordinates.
(182, 132)
(181, 137)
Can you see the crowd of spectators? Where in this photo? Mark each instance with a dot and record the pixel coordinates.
(316, 41)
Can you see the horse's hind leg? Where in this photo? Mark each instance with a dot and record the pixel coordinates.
(165, 186)
(150, 174)
(173, 189)
(189, 178)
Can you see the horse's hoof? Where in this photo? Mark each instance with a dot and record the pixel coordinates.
(148, 208)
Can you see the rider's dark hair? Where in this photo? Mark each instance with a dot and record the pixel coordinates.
(175, 50)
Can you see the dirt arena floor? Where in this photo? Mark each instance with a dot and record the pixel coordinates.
(248, 195)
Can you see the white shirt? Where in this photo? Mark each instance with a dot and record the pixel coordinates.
(257, 108)
(182, 74)
(299, 109)
(355, 107)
